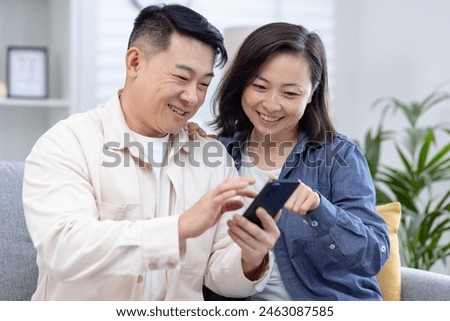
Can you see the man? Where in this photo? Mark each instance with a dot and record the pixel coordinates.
(120, 205)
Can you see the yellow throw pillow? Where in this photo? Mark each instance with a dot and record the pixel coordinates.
(389, 277)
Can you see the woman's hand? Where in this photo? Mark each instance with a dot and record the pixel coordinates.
(303, 200)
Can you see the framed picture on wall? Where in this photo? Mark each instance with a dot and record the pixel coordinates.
(27, 72)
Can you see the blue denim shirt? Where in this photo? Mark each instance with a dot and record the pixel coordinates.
(335, 251)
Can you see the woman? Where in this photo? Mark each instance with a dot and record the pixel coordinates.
(273, 116)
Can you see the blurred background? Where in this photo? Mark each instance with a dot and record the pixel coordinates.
(375, 49)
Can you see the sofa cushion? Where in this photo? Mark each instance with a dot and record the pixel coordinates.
(18, 270)
(390, 276)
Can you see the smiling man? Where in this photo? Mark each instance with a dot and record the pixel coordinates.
(153, 225)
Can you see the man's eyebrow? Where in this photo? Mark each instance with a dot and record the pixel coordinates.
(192, 71)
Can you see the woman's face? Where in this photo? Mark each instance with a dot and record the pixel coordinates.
(277, 98)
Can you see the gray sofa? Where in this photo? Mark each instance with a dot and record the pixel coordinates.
(18, 270)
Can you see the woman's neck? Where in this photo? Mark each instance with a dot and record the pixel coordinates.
(269, 151)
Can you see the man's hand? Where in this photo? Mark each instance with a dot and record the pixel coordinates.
(194, 129)
(255, 243)
(207, 211)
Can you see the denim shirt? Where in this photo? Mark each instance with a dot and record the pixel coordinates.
(335, 251)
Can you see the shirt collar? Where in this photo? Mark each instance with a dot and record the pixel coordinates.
(115, 129)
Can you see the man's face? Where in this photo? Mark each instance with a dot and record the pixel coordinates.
(166, 89)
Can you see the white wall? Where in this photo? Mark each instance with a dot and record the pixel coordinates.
(383, 48)
(395, 48)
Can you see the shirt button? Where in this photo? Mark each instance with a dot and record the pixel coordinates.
(314, 223)
(332, 246)
(383, 248)
(140, 279)
(305, 221)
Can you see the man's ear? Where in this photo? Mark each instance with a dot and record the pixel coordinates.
(133, 59)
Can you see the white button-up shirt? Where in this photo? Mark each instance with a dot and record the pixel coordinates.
(83, 208)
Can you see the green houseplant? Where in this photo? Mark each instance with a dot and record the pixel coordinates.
(420, 182)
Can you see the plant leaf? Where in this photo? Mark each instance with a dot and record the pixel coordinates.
(423, 154)
(440, 154)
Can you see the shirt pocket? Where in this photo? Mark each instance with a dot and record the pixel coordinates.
(118, 212)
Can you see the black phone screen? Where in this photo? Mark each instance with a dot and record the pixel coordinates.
(272, 198)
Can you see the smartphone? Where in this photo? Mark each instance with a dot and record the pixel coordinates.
(272, 198)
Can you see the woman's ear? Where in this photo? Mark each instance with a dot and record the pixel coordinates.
(311, 95)
(133, 59)
(310, 98)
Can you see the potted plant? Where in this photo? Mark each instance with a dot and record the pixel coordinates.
(417, 182)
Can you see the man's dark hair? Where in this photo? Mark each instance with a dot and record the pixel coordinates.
(155, 24)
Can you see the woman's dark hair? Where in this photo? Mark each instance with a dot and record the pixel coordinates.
(254, 51)
(155, 24)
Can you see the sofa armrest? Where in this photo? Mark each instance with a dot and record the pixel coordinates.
(18, 269)
(421, 285)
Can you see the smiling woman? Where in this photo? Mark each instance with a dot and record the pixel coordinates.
(272, 100)
(273, 103)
